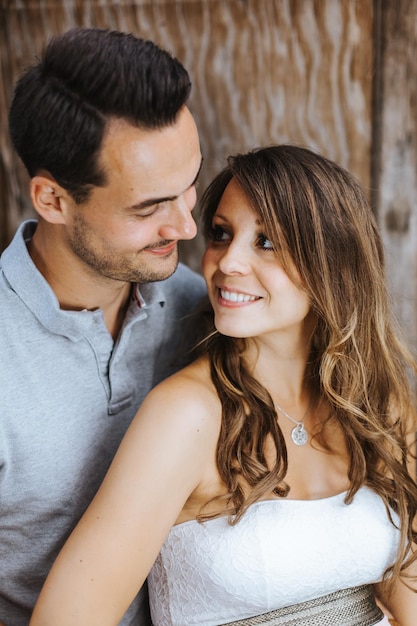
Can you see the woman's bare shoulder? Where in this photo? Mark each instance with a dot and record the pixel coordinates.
(188, 394)
(193, 380)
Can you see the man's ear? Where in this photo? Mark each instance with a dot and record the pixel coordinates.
(49, 199)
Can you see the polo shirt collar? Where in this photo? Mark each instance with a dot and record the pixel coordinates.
(32, 288)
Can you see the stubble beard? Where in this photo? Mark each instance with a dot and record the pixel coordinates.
(112, 266)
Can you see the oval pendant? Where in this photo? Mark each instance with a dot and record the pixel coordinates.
(299, 435)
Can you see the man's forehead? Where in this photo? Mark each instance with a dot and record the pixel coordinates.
(174, 147)
(147, 167)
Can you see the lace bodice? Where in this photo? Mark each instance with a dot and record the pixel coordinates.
(282, 552)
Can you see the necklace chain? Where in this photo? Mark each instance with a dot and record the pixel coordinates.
(299, 434)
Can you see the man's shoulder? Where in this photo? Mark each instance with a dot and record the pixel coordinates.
(185, 281)
(17, 270)
(185, 274)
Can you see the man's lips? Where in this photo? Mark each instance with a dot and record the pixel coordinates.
(162, 250)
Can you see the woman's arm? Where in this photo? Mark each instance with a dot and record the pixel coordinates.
(108, 556)
(402, 602)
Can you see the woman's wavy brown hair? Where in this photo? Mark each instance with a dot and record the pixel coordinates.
(316, 214)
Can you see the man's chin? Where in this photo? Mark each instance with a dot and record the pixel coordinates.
(164, 271)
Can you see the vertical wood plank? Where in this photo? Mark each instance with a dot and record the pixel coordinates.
(395, 171)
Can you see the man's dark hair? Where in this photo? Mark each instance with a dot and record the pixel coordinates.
(61, 105)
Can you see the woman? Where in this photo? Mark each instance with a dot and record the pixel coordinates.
(270, 477)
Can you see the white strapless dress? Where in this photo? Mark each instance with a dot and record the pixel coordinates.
(282, 552)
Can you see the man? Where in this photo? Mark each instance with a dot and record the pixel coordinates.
(86, 329)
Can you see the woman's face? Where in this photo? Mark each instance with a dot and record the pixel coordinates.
(251, 294)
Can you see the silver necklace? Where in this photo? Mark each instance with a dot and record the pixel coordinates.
(299, 435)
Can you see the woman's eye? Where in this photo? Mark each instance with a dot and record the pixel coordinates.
(265, 243)
(218, 234)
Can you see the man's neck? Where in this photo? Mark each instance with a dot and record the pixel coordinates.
(75, 287)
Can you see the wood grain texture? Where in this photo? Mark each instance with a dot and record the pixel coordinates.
(396, 163)
(263, 71)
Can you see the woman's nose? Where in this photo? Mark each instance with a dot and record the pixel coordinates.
(234, 260)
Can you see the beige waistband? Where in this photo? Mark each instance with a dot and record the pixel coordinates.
(349, 607)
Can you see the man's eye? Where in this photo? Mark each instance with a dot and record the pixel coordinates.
(146, 213)
(265, 243)
(218, 233)
(143, 212)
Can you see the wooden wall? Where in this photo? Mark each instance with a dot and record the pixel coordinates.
(336, 75)
(395, 152)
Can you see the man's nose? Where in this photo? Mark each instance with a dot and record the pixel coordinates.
(180, 223)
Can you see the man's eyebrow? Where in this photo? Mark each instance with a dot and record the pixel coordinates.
(151, 201)
(198, 173)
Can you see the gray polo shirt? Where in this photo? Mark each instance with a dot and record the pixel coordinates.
(67, 395)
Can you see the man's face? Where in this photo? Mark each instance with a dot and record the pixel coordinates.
(128, 230)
